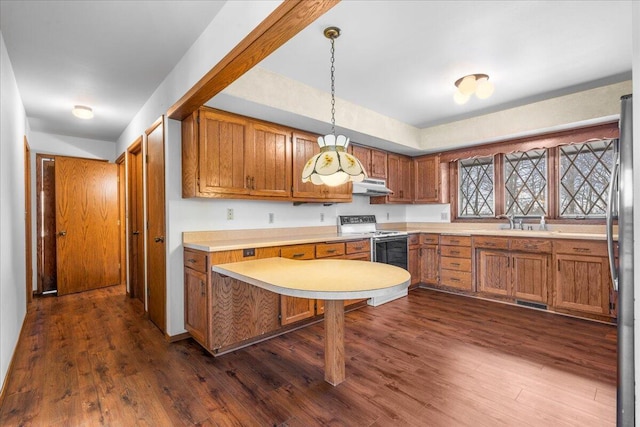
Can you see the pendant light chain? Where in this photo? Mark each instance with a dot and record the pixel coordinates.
(333, 88)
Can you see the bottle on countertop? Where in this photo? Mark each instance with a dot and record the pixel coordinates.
(543, 224)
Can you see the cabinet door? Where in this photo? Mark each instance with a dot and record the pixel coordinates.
(414, 266)
(400, 178)
(427, 179)
(268, 160)
(221, 154)
(378, 164)
(582, 283)
(429, 264)
(293, 309)
(493, 272)
(195, 305)
(529, 275)
(364, 155)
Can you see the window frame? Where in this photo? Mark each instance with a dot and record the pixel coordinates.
(550, 142)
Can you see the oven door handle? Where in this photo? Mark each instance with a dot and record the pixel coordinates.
(391, 239)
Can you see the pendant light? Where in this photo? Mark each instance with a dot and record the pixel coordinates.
(333, 166)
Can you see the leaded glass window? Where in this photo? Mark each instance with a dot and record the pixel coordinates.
(585, 170)
(476, 187)
(526, 183)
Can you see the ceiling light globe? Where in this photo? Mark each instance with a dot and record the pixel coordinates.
(460, 98)
(82, 112)
(484, 88)
(467, 85)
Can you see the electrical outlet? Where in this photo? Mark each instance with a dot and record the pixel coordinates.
(271, 218)
(229, 214)
(444, 216)
(387, 216)
(321, 217)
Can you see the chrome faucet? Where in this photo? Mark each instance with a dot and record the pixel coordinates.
(510, 218)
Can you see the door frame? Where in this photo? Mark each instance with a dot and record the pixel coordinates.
(122, 179)
(28, 230)
(41, 253)
(133, 151)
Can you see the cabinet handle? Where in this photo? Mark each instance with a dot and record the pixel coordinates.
(455, 264)
(508, 262)
(490, 244)
(298, 255)
(454, 241)
(531, 246)
(454, 252)
(248, 182)
(191, 260)
(582, 250)
(454, 279)
(253, 182)
(358, 248)
(202, 292)
(331, 251)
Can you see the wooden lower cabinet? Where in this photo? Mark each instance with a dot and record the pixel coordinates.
(516, 269)
(195, 304)
(582, 278)
(414, 260)
(429, 259)
(455, 262)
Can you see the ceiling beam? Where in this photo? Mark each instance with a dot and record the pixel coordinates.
(287, 20)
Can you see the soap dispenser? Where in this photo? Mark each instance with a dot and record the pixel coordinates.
(543, 224)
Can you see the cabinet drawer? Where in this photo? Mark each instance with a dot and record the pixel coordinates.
(429, 239)
(581, 247)
(457, 264)
(195, 260)
(531, 245)
(324, 250)
(298, 252)
(455, 251)
(490, 242)
(359, 246)
(414, 239)
(446, 239)
(456, 279)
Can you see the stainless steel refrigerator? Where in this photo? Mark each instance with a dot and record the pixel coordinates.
(621, 207)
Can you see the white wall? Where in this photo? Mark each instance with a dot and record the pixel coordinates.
(13, 128)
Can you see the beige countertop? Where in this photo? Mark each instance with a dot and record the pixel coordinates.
(217, 241)
(326, 279)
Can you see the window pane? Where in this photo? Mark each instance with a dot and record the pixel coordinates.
(475, 194)
(526, 183)
(585, 170)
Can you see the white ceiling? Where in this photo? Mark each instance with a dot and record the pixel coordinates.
(398, 58)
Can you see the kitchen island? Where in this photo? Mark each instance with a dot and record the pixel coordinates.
(331, 280)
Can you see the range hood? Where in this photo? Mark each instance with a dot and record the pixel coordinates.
(371, 187)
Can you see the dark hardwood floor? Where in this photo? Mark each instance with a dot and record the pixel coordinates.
(432, 359)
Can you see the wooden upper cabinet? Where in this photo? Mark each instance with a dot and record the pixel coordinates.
(268, 160)
(374, 161)
(427, 179)
(305, 146)
(221, 153)
(400, 178)
(225, 155)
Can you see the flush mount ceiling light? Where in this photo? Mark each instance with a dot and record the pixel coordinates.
(333, 165)
(82, 112)
(473, 83)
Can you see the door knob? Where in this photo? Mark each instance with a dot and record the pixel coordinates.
(135, 233)
(159, 239)
(62, 233)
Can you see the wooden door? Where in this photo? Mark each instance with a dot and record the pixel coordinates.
(122, 216)
(268, 160)
(529, 276)
(427, 171)
(493, 272)
(305, 146)
(136, 222)
(46, 224)
(378, 164)
(156, 250)
(221, 153)
(28, 252)
(582, 283)
(87, 240)
(429, 261)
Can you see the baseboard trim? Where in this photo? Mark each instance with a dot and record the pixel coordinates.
(178, 337)
(5, 380)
